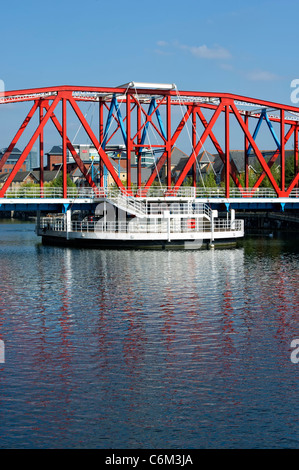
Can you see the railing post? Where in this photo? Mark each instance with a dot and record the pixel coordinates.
(282, 152)
(227, 156)
(129, 143)
(296, 168)
(68, 222)
(41, 152)
(64, 148)
(246, 146)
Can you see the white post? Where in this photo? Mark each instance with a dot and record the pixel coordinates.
(214, 214)
(2, 354)
(232, 220)
(166, 215)
(68, 220)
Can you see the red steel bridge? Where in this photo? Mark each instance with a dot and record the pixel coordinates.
(156, 116)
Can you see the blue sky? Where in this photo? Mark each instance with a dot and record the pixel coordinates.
(247, 48)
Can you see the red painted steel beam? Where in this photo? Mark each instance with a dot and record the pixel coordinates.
(296, 167)
(96, 143)
(72, 94)
(28, 94)
(295, 181)
(282, 151)
(64, 149)
(218, 148)
(18, 134)
(41, 150)
(274, 157)
(29, 146)
(227, 153)
(292, 185)
(246, 147)
(148, 118)
(243, 112)
(139, 180)
(129, 142)
(101, 138)
(193, 144)
(161, 161)
(256, 149)
(198, 146)
(168, 142)
(76, 157)
(233, 97)
(116, 119)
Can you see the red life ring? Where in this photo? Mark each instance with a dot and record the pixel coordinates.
(191, 223)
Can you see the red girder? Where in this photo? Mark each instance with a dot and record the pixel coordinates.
(29, 146)
(198, 146)
(193, 104)
(76, 157)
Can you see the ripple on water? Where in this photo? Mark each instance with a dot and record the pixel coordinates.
(118, 349)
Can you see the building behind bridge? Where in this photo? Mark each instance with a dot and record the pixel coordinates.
(206, 163)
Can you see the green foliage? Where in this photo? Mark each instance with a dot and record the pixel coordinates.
(289, 170)
(210, 180)
(188, 181)
(252, 177)
(30, 185)
(58, 182)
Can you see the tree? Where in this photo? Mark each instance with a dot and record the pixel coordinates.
(289, 170)
(210, 180)
(58, 182)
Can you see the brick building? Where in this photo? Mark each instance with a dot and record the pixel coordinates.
(11, 161)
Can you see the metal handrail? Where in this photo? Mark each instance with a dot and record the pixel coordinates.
(139, 226)
(135, 201)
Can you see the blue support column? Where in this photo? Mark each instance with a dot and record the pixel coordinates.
(152, 106)
(261, 118)
(277, 141)
(114, 105)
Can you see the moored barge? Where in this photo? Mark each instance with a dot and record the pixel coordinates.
(124, 222)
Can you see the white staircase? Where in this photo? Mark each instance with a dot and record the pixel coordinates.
(128, 204)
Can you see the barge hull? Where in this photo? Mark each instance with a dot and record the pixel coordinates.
(137, 244)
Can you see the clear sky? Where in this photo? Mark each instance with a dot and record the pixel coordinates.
(242, 47)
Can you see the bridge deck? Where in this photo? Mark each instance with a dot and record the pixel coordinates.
(86, 198)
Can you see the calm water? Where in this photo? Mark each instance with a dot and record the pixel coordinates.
(124, 349)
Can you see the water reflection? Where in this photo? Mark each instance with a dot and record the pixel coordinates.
(147, 349)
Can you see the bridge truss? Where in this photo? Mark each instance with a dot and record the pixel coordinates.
(132, 111)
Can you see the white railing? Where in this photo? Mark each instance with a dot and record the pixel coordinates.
(123, 197)
(53, 223)
(128, 203)
(223, 225)
(178, 208)
(139, 226)
(164, 191)
(72, 192)
(241, 193)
